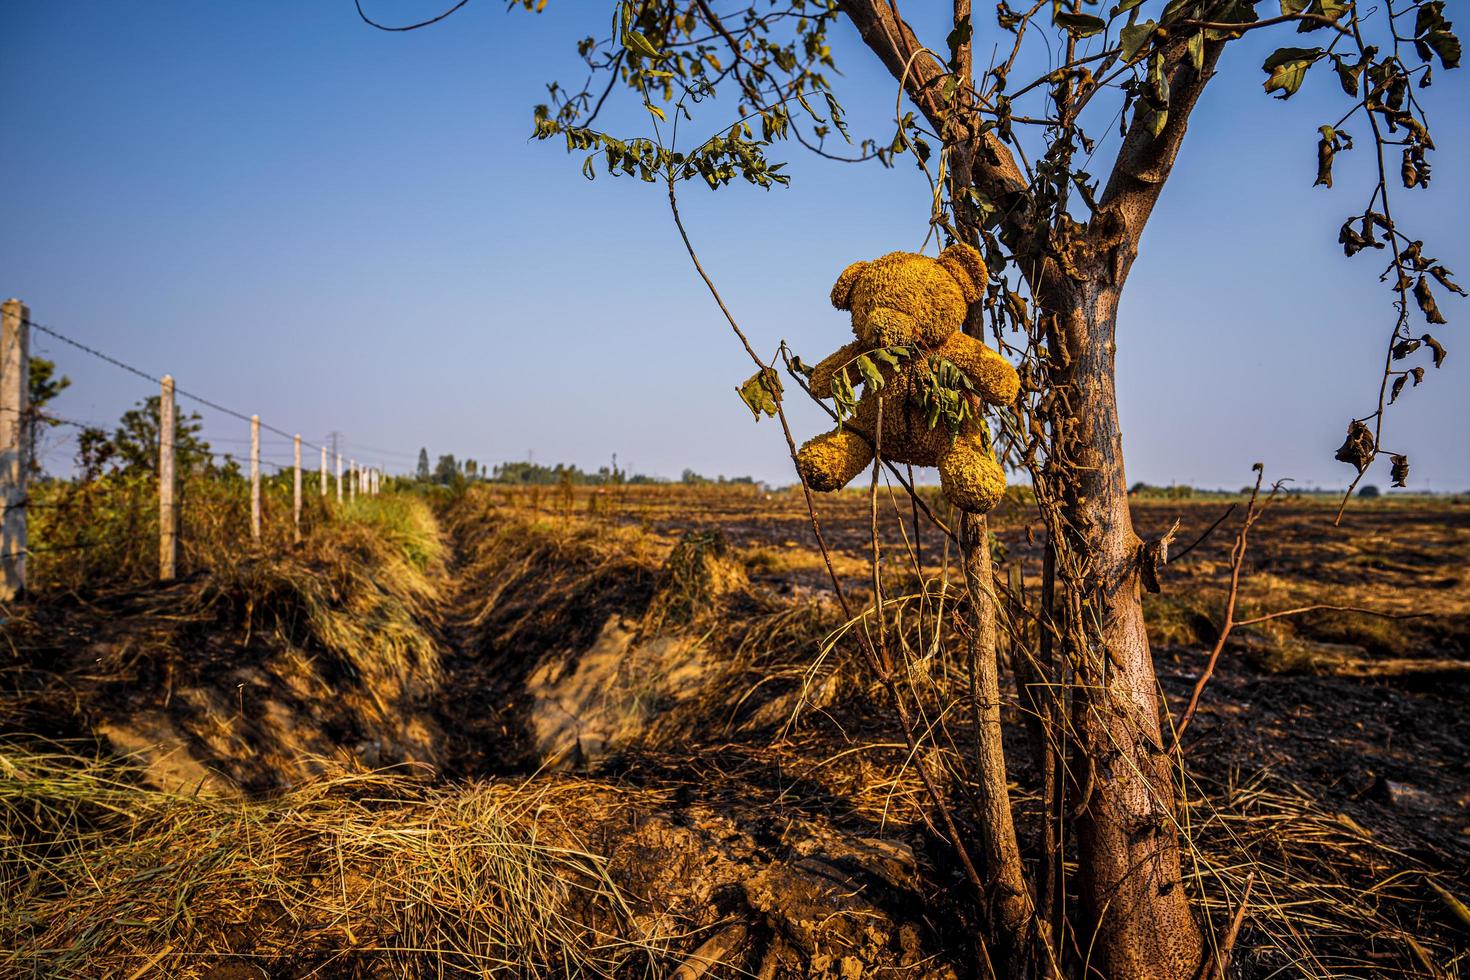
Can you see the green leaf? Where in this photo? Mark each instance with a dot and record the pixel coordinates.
(1156, 119)
(1080, 25)
(1287, 68)
(1197, 50)
(869, 371)
(1178, 10)
(1124, 7)
(761, 393)
(639, 45)
(655, 110)
(1134, 37)
(958, 38)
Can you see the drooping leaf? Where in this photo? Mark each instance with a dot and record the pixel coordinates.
(1442, 276)
(1398, 386)
(958, 38)
(1425, 298)
(1326, 148)
(1358, 448)
(1196, 49)
(1347, 74)
(1432, 34)
(1287, 68)
(1400, 471)
(1436, 347)
(869, 371)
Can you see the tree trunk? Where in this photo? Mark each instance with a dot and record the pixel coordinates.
(1124, 802)
(1009, 903)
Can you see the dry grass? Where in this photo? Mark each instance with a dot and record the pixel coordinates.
(365, 875)
(1329, 899)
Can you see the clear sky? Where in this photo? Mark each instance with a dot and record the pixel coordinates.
(343, 229)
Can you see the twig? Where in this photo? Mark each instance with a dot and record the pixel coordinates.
(1237, 559)
(1324, 605)
(711, 952)
(1208, 531)
(1222, 963)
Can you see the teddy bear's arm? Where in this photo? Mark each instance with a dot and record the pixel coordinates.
(991, 373)
(826, 369)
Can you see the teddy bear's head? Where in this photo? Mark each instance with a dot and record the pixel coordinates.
(904, 298)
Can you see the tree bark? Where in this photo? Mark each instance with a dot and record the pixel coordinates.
(1123, 806)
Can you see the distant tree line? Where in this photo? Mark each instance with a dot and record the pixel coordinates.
(449, 471)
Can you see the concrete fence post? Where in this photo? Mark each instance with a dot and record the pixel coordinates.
(15, 365)
(352, 480)
(255, 478)
(339, 478)
(296, 492)
(168, 513)
(324, 472)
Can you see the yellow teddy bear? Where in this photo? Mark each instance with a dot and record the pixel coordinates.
(920, 302)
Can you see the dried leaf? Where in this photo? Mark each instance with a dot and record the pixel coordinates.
(1434, 345)
(1425, 298)
(1442, 276)
(1400, 471)
(1325, 151)
(1358, 448)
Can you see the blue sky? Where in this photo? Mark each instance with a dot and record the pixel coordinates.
(343, 229)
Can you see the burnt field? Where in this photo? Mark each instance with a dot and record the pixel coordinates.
(619, 733)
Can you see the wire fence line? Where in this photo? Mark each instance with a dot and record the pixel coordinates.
(180, 392)
(20, 422)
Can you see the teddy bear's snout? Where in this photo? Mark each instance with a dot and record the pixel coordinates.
(885, 327)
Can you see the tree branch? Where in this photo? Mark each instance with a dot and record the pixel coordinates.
(1145, 161)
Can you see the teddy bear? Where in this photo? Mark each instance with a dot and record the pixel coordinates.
(921, 303)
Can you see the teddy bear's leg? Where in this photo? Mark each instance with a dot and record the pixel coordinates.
(970, 476)
(832, 459)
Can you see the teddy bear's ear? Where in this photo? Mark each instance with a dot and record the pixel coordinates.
(964, 263)
(842, 289)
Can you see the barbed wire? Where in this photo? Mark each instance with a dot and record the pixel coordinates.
(180, 392)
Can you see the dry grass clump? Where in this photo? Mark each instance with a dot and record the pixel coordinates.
(272, 656)
(1328, 899)
(364, 588)
(366, 875)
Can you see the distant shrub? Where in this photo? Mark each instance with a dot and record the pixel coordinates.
(1369, 491)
